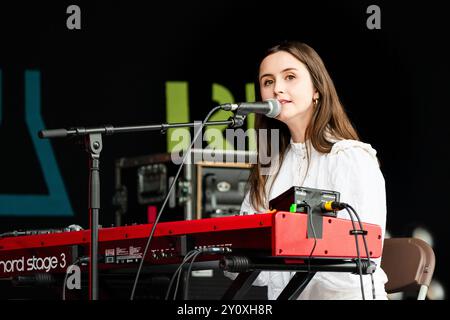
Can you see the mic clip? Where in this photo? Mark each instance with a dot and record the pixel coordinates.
(237, 120)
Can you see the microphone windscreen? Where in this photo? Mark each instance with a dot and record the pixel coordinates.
(275, 108)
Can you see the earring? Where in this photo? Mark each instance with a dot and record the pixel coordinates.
(316, 101)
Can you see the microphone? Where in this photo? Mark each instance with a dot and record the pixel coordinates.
(271, 107)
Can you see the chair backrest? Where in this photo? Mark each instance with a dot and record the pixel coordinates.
(409, 264)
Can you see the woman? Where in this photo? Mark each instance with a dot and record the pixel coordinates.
(318, 148)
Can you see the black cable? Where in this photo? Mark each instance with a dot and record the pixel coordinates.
(194, 256)
(77, 261)
(365, 246)
(189, 255)
(347, 207)
(186, 285)
(167, 197)
(310, 217)
(357, 253)
(331, 205)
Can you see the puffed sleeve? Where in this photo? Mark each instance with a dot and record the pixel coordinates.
(263, 277)
(354, 172)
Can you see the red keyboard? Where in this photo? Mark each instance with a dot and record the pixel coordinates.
(277, 234)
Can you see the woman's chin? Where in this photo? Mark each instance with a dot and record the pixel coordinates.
(284, 117)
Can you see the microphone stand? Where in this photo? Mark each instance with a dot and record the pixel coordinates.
(94, 146)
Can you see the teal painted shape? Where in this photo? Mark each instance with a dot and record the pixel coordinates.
(56, 203)
(1, 98)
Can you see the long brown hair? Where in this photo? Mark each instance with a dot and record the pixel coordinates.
(328, 119)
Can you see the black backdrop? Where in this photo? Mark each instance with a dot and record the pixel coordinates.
(392, 82)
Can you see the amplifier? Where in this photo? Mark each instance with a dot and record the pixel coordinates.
(141, 185)
(219, 180)
(213, 183)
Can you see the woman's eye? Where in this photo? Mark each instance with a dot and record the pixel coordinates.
(267, 82)
(290, 77)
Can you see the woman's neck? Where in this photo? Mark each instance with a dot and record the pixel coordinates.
(297, 126)
(297, 136)
(298, 130)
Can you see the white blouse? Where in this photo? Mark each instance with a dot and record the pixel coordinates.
(352, 169)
